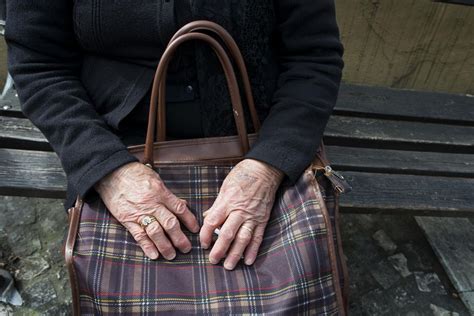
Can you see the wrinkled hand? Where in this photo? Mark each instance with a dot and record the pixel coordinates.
(134, 191)
(243, 208)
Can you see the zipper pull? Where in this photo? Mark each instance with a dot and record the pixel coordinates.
(337, 180)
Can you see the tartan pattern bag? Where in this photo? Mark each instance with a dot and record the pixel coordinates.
(299, 270)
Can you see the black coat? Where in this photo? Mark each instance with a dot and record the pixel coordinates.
(80, 67)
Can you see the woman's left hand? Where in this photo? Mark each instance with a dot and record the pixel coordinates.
(242, 208)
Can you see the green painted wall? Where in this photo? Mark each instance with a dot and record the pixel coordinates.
(414, 44)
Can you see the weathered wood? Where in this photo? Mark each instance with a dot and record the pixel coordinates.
(9, 108)
(452, 239)
(9, 102)
(401, 162)
(408, 194)
(380, 133)
(22, 134)
(370, 101)
(341, 130)
(405, 104)
(31, 173)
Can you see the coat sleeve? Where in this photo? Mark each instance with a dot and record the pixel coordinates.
(310, 55)
(44, 60)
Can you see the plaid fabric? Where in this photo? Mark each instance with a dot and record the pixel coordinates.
(292, 274)
(331, 200)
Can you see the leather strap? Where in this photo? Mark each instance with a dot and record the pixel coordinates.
(231, 45)
(74, 214)
(158, 94)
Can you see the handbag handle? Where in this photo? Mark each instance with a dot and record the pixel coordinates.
(231, 45)
(160, 80)
(204, 25)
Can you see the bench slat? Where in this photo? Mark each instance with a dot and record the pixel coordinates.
(43, 176)
(405, 104)
(22, 134)
(341, 130)
(408, 194)
(31, 173)
(379, 101)
(381, 133)
(9, 108)
(402, 162)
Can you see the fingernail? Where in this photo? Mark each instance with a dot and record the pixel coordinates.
(196, 229)
(249, 261)
(153, 254)
(205, 245)
(188, 249)
(172, 256)
(229, 266)
(213, 260)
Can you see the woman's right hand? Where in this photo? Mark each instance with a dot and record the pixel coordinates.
(133, 191)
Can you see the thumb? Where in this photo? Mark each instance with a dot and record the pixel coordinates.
(213, 219)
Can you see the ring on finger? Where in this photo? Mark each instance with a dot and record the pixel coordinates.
(247, 228)
(147, 220)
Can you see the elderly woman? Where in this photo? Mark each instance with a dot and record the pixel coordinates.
(83, 71)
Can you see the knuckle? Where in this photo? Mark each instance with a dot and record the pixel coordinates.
(160, 210)
(180, 207)
(257, 239)
(234, 256)
(140, 237)
(170, 223)
(244, 236)
(162, 192)
(165, 194)
(212, 219)
(154, 229)
(226, 235)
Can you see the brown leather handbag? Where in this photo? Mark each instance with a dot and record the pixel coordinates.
(300, 268)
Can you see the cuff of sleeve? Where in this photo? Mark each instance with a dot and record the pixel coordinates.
(90, 177)
(277, 158)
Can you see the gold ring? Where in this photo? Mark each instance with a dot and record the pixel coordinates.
(247, 228)
(147, 220)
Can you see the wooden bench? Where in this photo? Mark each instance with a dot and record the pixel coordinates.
(404, 152)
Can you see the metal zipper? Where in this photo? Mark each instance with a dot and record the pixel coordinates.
(337, 180)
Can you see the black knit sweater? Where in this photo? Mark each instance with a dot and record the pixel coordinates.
(81, 67)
